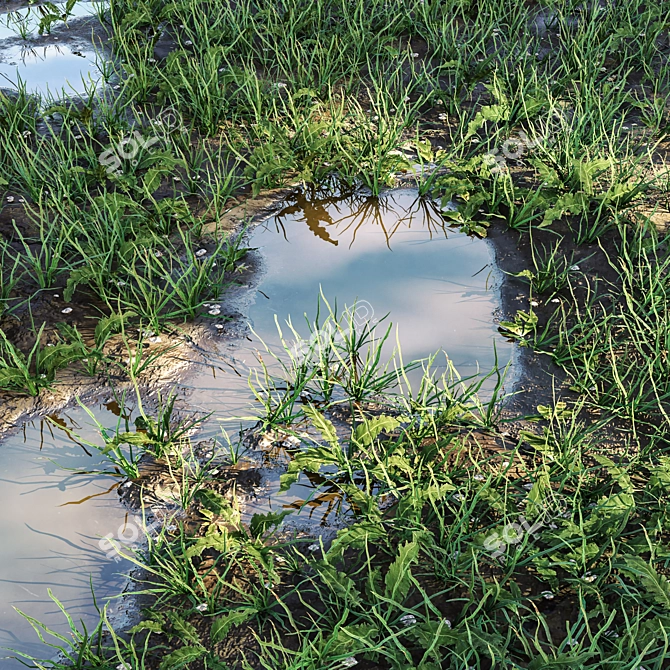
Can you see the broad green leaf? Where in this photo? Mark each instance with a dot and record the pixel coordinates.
(656, 585)
(323, 425)
(260, 523)
(370, 429)
(355, 536)
(222, 625)
(179, 658)
(399, 576)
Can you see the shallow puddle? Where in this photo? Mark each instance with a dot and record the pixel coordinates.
(63, 63)
(390, 255)
(25, 21)
(48, 70)
(393, 254)
(51, 526)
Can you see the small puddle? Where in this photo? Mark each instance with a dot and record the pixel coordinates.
(59, 64)
(51, 524)
(394, 254)
(25, 21)
(390, 255)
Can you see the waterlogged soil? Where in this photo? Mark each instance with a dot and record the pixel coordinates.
(61, 63)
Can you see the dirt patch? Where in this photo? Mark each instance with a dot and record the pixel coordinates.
(184, 344)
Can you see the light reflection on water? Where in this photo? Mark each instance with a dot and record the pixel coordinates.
(45, 65)
(48, 69)
(51, 523)
(395, 252)
(437, 285)
(25, 21)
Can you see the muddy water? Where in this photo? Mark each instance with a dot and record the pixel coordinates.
(51, 523)
(393, 254)
(63, 62)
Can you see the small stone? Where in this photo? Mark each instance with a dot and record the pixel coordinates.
(202, 607)
(200, 253)
(555, 300)
(574, 268)
(188, 43)
(218, 326)
(10, 198)
(534, 303)
(67, 310)
(349, 662)
(313, 547)
(547, 595)
(408, 620)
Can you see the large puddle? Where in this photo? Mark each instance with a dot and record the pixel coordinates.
(62, 63)
(393, 255)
